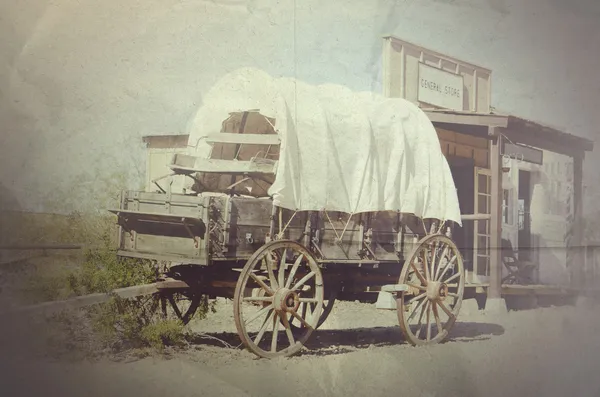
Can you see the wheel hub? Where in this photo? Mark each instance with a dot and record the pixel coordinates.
(286, 300)
(437, 291)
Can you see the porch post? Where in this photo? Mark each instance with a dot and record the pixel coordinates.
(494, 300)
(576, 248)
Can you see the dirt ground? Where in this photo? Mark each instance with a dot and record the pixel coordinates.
(359, 351)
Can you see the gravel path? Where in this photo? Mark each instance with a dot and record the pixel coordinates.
(358, 352)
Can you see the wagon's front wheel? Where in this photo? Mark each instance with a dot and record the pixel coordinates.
(435, 276)
(287, 275)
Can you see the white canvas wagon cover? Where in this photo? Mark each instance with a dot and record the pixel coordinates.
(340, 150)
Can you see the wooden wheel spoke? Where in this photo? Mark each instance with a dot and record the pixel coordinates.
(282, 266)
(436, 315)
(288, 329)
(309, 300)
(262, 284)
(420, 322)
(275, 335)
(442, 256)
(425, 265)
(448, 266)
(262, 330)
(174, 306)
(424, 301)
(293, 271)
(446, 309)
(419, 287)
(428, 321)
(416, 298)
(302, 320)
(418, 273)
(434, 260)
(452, 278)
(303, 281)
(304, 310)
(259, 313)
(258, 299)
(269, 264)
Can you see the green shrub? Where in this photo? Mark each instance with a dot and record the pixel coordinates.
(120, 324)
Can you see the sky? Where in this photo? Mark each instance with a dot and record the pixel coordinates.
(82, 81)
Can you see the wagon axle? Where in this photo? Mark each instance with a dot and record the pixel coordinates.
(286, 300)
(437, 290)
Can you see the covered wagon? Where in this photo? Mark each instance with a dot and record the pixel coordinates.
(298, 196)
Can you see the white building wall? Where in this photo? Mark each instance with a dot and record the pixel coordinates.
(551, 184)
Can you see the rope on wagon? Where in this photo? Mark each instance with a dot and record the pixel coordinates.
(339, 237)
(281, 231)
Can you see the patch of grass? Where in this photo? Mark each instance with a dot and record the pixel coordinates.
(117, 326)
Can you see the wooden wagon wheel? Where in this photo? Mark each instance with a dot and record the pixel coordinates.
(436, 279)
(289, 276)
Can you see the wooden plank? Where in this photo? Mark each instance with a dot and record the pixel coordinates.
(171, 284)
(470, 119)
(475, 217)
(83, 301)
(464, 151)
(446, 135)
(482, 157)
(472, 141)
(534, 290)
(201, 261)
(160, 198)
(540, 142)
(244, 139)
(156, 216)
(190, 164)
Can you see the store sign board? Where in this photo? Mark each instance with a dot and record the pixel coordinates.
(523, 153)
(440, 88)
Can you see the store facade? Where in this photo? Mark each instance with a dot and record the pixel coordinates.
(517, 180)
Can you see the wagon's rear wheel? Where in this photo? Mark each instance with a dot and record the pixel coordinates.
(435, 275)
(288, 276)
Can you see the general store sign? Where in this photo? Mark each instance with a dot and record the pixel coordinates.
(440, 88)
(523, 153)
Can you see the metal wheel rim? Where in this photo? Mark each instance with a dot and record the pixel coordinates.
(303, 263)
(428, 304)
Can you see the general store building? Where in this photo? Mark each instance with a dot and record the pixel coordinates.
(517, 179)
